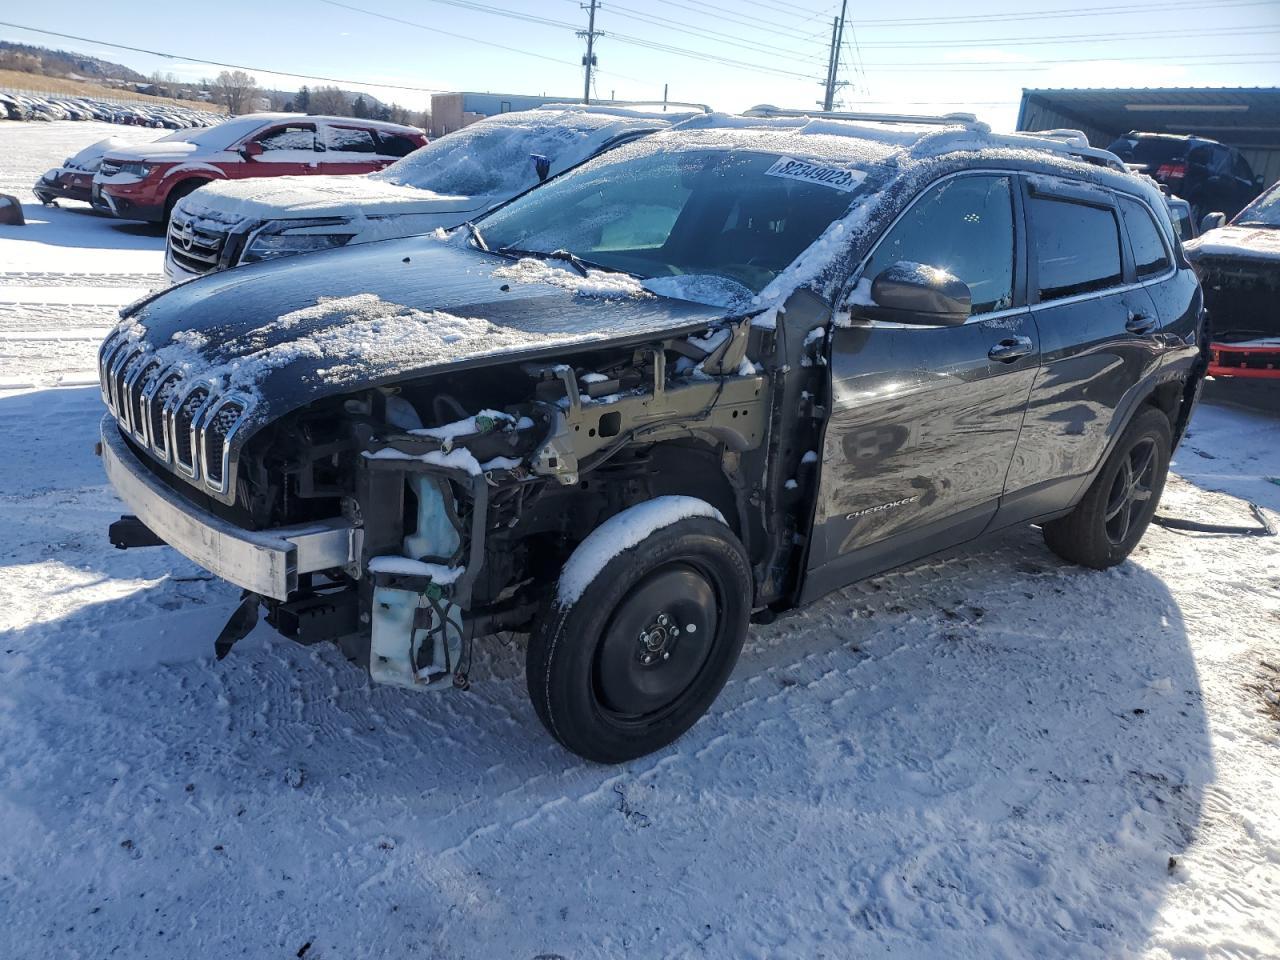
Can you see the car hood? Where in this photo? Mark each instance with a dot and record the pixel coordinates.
(161, 151)
(288, 332)
(1242, 242)
(292, 198)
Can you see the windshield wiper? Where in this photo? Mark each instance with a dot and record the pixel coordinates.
(570, 258)
(476, 235)
(575, 261)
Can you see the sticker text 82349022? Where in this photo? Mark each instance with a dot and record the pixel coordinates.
(834, 177)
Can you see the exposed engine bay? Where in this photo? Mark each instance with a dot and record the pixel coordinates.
(470, 489)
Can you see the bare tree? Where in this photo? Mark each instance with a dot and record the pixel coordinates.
(235, 90)
(330, 102)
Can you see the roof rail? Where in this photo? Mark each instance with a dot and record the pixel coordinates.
(661, 104)
(768, 110)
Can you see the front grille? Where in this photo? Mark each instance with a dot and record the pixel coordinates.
(185, 425)
(195, 246)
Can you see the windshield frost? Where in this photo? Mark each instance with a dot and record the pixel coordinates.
(1263, 212)
(493, 156)
(741, 216)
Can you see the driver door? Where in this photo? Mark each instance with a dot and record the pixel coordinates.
(924, 419)
(289, 149)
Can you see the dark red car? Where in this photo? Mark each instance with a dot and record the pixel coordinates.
(144, 182)
(74, 179)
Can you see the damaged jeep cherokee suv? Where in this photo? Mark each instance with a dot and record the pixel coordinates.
(708, 376)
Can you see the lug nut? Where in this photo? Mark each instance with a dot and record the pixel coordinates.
(666, 655)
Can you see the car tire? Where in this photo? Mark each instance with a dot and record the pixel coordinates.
(643, 650)
(183, 189)
(1107, 524)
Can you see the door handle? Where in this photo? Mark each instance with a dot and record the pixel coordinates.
(1140, 323)
(1011, 349)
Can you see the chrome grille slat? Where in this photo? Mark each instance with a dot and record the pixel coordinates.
(186, 416)
(186, 425)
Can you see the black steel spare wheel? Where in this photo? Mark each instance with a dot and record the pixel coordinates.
(657, 642)
(630, 664)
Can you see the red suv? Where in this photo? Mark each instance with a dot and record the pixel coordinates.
(144, 182)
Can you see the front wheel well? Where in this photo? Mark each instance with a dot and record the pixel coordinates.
(181, 189)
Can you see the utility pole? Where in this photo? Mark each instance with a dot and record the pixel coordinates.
(829, 90)
(833, 62)
(589, 60)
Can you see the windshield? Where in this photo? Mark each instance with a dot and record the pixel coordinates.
(1263, 212)
(742, 216)
(493, 156)
(219, 136)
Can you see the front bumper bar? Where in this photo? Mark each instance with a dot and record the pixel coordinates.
(266, 562)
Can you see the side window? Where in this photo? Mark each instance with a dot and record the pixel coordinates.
(1201, 155)
(1149, 253)
(1077, 247)
(351, 140)
(1240, 168)
(395, 145)
(963, 225)
(294, 136)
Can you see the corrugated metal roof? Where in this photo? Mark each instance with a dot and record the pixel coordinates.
(1241, 116)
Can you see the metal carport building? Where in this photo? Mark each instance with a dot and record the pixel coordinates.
(1247, 118)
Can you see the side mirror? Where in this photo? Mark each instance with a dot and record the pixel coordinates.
(541, 165)
(914, 293)
(251, 149)
(1211, 221)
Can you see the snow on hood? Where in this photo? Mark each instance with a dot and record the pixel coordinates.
(158, 151)
(91, 156)
(295, 330)
(276, 198)
(1253, 243)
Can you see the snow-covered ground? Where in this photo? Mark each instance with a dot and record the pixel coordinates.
(987, 754)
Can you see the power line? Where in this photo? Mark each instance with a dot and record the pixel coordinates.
(447, 33)
(742, 19)
(221, 63)
(734, 40)
(949, 64)
(1067, 39)
(1061, 13)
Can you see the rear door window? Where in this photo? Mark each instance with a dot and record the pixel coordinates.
(351, 140)
(1150, 256)
(395, 144)
(1077, 247)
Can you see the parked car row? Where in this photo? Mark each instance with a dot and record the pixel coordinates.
(145, 181)
(664, 379)
(15, 106)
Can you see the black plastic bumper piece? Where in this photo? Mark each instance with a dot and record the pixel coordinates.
(129, 531)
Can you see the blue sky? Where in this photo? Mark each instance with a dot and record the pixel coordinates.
(980, 63)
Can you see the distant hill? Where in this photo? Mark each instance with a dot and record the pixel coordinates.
(59, 63)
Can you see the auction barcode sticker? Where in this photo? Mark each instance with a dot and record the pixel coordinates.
(834, 177)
